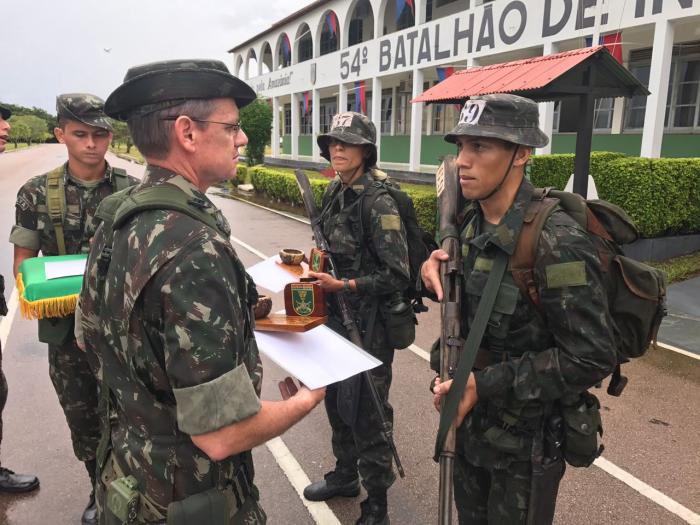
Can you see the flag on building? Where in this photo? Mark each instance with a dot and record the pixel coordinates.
(332, 22)
(613, 42)
(401, 5)
(286, 48)
(306, 102)
(444, 72)
(360, 97)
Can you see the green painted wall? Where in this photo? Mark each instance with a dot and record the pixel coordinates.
(396, 148)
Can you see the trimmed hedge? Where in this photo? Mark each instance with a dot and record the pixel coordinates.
(661, 195)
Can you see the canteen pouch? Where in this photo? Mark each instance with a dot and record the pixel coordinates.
(504, 441)
(122, 501)
(209, 506)
(582, 424)
(399, 323)
(56, 330)
(3, 304)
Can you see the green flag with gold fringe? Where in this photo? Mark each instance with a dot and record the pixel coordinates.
(49, 286)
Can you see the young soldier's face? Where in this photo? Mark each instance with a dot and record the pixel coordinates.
(482, 163)
(86, 144)
(4, 133)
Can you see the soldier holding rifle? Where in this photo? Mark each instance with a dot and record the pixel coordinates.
(371, 267)
(507, 458)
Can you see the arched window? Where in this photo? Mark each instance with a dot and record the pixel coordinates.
(330, 33)
(361, 27)
(305, 44)
(284, 51)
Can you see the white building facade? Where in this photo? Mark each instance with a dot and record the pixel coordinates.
(338, 53)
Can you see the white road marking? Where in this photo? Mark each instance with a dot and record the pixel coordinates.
(278, 212)
(320, 511)
(6, 322)
(666, 346)
(645, 490)
(420, 352)
(249, 247)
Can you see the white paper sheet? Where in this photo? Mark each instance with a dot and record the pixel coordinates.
(271, 276)
(55, 270)
(318, 357)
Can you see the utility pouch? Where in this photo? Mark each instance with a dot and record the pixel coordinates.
(582, 424)
(504, 441)
(209, 506)
(56, 330)
(399, 323)
(3, 304)
(122, 501)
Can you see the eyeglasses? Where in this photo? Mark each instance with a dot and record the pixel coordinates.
(230, 126)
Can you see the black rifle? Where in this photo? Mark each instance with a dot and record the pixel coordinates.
(348, 321)
(449, 196)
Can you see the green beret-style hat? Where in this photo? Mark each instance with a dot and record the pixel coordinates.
(159, 85)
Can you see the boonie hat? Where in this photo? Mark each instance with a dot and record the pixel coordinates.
(83, 107)
(350, 128)
(159, 85)
(502, 116)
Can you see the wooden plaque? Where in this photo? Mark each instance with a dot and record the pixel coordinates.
(304, 299)
(288, 323)
(317, 260)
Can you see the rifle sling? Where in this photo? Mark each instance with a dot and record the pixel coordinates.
(471, 346)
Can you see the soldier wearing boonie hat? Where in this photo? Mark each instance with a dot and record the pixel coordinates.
(153, 277)
(56, 215)
(530, 357)
(9, 481)
(373, 269)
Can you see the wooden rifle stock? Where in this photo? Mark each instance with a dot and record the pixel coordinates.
(449, 195)
(348, 321)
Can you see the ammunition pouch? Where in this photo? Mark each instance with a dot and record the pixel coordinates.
(56, 330)
(399, 323)
(582, 424)
(122, 501)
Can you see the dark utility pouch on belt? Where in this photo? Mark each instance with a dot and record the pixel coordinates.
(56, 330)
(582, 424)
(205, 507)
(399, 323)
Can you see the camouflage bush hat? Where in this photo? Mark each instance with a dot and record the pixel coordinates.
(350, 128)
(501, 116)
(83, 107)
(5, 112)
(159, 85)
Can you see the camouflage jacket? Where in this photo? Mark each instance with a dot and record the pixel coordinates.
(33, 228)
(567, 346)
(374, 255)
(173, 332)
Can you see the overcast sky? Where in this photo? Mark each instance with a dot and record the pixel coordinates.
(49, 47)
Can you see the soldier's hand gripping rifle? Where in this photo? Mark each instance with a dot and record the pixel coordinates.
(348, 321)
(449, 194)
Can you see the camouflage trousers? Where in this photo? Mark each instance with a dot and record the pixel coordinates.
(363, 446)
(3, 393)
(76, 386)
(486, 496)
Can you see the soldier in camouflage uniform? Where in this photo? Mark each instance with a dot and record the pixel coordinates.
(529, 357)
(82, 183)
(9, 481)
(168, 311)
(372, 262)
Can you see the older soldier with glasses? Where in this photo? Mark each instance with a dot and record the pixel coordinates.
(167, 308)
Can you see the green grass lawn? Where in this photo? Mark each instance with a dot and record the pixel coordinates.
(12, 147)
(679, 268)
(134, 153)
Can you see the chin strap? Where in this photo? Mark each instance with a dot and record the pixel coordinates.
(505, 176)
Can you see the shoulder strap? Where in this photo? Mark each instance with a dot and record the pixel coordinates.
(56, 205)
(120, 179)
(523, 259)
(163, 197)
(471, 345)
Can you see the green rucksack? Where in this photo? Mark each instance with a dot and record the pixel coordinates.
(636, 291)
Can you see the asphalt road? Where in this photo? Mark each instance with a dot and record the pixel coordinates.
(652, 433)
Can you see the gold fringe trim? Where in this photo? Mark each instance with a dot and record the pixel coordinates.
(42, 308)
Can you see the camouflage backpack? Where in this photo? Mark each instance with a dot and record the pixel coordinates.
(636, 292)
(420, 243)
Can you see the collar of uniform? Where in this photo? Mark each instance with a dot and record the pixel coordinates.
(506, 233)
(67, 177)
(156, 175)
(361, 184)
